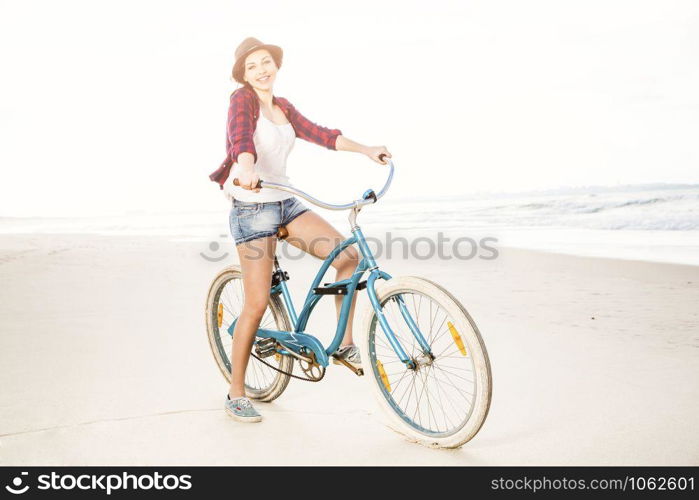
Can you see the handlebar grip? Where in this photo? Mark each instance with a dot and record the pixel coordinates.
(382, 156)
(236, 183)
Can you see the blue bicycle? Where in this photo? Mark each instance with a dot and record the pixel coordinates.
(422, 352)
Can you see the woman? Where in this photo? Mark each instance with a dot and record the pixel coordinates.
(261, 133)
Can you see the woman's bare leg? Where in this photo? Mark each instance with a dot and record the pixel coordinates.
(256, 261)
(313, 234)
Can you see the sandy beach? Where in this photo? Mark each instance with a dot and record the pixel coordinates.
(105, 361)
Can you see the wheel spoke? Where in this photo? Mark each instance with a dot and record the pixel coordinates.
(441, 403)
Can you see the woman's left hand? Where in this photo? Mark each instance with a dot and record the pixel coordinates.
(374, 152)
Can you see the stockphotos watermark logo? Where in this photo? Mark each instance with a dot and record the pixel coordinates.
(17, 486)
(439, 246)
(100, 482)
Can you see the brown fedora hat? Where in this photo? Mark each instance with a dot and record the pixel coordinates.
(248, 46)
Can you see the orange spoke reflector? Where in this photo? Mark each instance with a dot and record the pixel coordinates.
(457, 338)
(384, 377)
(220, 314)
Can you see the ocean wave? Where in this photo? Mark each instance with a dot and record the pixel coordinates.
(590, 206)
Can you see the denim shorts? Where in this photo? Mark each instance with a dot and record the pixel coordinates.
(250, 220)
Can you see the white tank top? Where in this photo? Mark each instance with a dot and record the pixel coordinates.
(273, 143)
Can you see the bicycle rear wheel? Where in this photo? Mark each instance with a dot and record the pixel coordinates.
(444, 400)
(224, 304)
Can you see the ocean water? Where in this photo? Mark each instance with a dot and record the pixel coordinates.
(657, 222)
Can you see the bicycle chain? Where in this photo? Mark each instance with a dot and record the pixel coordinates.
(289, 374)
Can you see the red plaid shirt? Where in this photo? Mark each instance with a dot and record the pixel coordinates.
(243, 113)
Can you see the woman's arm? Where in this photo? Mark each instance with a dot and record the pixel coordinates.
(330, 138)
(344, 144)
(239, 135)
(307, 130)
(241, 127)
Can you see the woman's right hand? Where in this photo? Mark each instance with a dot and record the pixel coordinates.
(248, 178)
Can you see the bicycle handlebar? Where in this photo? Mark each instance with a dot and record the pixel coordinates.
(368, 197)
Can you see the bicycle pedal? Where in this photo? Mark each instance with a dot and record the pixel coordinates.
(266, 347)
(357, 371)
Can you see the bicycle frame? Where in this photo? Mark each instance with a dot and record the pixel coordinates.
(301, 342)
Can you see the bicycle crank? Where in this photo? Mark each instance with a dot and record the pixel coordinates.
(357, 371)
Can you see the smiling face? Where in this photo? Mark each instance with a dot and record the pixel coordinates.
(260, 70)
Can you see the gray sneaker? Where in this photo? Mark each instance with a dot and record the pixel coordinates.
(349, 353)
(241, 409)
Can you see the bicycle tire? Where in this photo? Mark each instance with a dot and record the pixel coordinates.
(387, 395)
(277, 384)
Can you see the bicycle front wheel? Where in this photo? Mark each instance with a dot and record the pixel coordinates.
(444, 399)
(224, 303)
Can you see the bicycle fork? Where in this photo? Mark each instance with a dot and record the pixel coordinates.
(390, 335)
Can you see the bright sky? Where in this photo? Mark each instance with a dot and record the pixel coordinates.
(121, 106)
